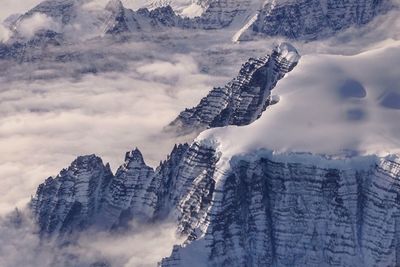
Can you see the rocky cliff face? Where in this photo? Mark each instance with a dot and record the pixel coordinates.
(72, 199)
(243, 100)
(126, 190)
(298, 210)
(262, 209)
(310, 20)
(88, 195)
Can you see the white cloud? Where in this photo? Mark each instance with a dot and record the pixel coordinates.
(142, 246)
(4, 33)
(38, 21)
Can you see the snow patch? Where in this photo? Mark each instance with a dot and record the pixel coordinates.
(238, 35)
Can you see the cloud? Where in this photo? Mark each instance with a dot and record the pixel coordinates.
(156, 242)
(4, 33)
(169, 70)
(28, 27)
(20, 246)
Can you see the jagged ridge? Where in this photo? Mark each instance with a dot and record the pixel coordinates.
(87, 194)
(315, 19)
(244, 99)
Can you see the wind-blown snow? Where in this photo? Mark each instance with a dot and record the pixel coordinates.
(334, 105)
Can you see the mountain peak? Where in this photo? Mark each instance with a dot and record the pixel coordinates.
(114, 6)
(87, 160)
(134, 156)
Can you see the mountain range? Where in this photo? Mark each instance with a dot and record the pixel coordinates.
(305, 20)
(295, 161)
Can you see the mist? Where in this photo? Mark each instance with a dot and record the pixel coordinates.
(143, 246)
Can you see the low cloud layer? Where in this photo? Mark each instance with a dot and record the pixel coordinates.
(142, 246)
(44, 125)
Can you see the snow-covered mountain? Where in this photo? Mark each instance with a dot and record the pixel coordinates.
(88, 19)
(80, 20)
(57, 25)
(274, 192)
(311, 20)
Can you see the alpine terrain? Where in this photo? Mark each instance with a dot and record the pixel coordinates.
(291, 159)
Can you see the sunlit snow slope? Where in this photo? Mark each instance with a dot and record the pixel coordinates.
(332, 105)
